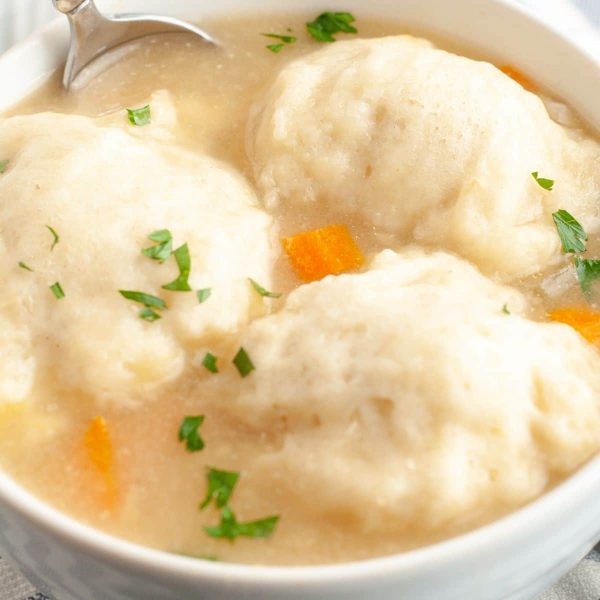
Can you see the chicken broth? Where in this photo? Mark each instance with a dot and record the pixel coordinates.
(59, 440)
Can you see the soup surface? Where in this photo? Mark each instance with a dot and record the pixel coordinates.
(430, 390)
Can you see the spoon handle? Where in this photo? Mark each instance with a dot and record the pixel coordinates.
(67, 6)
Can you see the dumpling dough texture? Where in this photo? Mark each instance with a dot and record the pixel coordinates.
(431, 146)
(408, 397)
(104, 186)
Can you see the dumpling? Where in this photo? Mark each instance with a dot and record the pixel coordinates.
(411, 388)
(104, 186)
(430, 146)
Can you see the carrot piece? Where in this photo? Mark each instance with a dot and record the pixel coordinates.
(519, 77)
(584, 320)
(326, 251)
(99, 450)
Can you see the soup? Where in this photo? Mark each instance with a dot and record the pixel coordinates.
(414, 360)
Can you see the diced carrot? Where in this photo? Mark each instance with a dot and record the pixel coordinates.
(326, 251)
(519, 77)
(583, 320)
(99, 450)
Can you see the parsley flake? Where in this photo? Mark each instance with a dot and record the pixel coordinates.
(3, 165)
(184, 263)
(547, 184)
(24, 266)
(203, 295)
(55, 237)
(505, 309)
(139, 116)
(189, 433)
(570, 231)
(243, 363)
(163, 248)
(148, 300)
(147, 314)
(230, 528)
(283, 40)
(57, 290)
(220, 487)
(275, 48)
(262, 291)
(328, 23)
(588, 270)
(210, 363)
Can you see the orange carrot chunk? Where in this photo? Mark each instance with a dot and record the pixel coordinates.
(326, 251)
(584, 320)
(99, 450)
(519, 77)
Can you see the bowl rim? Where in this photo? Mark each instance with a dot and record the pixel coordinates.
(530, 517)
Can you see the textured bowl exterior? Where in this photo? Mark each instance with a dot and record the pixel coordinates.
(515, 558)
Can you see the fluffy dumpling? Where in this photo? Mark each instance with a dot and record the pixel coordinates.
(410, 388)
(103, 186)
(427, 145)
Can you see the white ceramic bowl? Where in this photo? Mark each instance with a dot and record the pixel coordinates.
(515, 558)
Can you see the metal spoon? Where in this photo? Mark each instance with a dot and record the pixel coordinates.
(93, 34)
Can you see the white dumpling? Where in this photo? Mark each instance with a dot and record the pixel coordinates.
(430, 146)
(104, 186)
(409, 387)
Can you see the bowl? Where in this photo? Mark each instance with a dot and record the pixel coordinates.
(514, 558)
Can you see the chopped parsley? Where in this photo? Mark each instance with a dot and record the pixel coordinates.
(55, 237)
(210, 363)
(588, 270)
(505, 309)
(283, 40)
(220, 487)
(243, 363)
(570, 231)
(149, 301)
(547, 184)
(164, 245)
(230, 528)
(139, 116)
(57, 290)
(328, 23)
(188, 433)
(3, 165)
(262, 291)
(184, 263)
(24, 266)
(147, 314)
(203, 295)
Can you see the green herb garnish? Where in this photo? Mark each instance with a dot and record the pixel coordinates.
(203, 295)
(147, 314)
(243, 363)
(57, 290)
(220, 487)
(570, 231)
(164, 245)
(283, 39)
(184, 263)
(189, 433)
(148, 300)
(139, 116)
(210, 363)
(3, 165)
(262, 291)
(328, 23)
(547, 184)
(588, 270)
(230, 528)
(505, 309)
(55, 237)
(24, 266)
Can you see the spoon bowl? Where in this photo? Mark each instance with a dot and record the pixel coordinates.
(93, 34)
